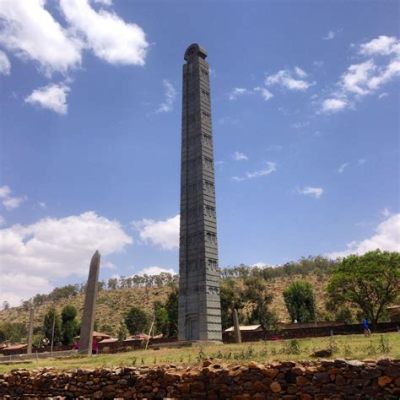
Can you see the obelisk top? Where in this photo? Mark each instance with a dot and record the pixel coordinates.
(194, 50)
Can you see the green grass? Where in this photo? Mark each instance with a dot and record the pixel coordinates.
(350, 346)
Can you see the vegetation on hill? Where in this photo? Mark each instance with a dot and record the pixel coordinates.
(256, 292)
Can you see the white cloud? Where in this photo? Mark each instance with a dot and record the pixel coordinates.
(53, 248)
(16, 287)
(288, 79)
(386, 213)
(269, 168)
(103, 2)
(170, 95)
(13, 202)
(361, 161)
(52, 97)
(8, 201)
(164, 233)
(237, 92)
(342, 167)
(311, 191)
(5, 192)
(107, 35)
(382, 95)
(382, 45)
(5, 65)
(238, 156)
(358, 75)
(299, 125)
(30, 32)
(155, 271)
(333, 105)
(300, 72)
(385, 238)
(330, 35)
(259, 264)
(367, 77)
(2, 220)
(265, 93)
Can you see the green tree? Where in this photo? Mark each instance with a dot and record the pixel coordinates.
(172, 309)
(369, 282)
(300, 301)
(69, 325)
(231, 298)
(51, 318)
(136, 320)
(256, 293)
(161, 320)
(13, 331)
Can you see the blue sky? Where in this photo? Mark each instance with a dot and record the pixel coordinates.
(305, 100)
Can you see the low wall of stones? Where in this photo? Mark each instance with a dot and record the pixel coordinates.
(306, 330)
(337, 379)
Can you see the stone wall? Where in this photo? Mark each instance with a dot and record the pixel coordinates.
(307, 330)
(337, 379)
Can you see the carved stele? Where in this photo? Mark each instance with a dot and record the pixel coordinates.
(86, 335)
(199, 298)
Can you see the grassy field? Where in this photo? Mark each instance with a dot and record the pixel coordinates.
(350, 347)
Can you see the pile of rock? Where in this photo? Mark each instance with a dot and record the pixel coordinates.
(338, 379)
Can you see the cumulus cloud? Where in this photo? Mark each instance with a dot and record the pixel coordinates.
(155, 271)
(238, 92)
(386, 238)
(315, 192)
(382, 45)
(8, 201)
(107, 35)
(366, 77)
(269, 168)
(163, 234)
(169, 97)
(291, 80)
(31, 33)
(265, 93)
(52, 249)
(53, 97)
(2, 220)
(5, 65)
(5, 191)
(238, 156)
(333, 105)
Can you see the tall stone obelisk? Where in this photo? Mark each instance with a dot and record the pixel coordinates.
(199, 297)
(86, 335)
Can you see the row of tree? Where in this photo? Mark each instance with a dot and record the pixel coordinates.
(358, 286)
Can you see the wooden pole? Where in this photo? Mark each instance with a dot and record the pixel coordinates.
(236, 326)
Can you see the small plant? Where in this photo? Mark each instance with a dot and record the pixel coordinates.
(201, 356)
(347, 350)
(133, 362)
(370, 349)
(384, 346)
(291, 346)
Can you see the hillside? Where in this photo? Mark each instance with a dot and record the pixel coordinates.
(113, 304)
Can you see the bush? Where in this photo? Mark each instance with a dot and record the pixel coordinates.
(136, 321)
(300, 301)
